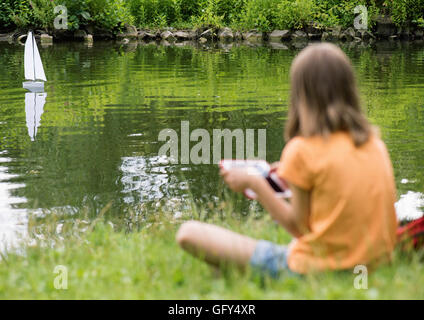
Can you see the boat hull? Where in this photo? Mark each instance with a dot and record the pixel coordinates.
(33, 86)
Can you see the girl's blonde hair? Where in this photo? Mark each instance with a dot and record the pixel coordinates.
(324, 96)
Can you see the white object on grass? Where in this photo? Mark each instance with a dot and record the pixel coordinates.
(261, 168)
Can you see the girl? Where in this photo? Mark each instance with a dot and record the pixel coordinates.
(341, 213)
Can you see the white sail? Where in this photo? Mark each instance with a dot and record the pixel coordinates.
(39, 71)
(34, 108)
(29, 58)
(32, 60)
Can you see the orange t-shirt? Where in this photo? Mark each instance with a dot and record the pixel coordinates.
(352, 215)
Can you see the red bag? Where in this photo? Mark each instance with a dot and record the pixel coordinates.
(411, 235)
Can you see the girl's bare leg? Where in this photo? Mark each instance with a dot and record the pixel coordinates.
(214, 244)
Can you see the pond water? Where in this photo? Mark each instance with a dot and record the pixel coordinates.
(92, 137)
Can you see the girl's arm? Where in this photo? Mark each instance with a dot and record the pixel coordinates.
(292, 216)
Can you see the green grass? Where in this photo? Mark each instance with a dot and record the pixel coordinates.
(104, 263)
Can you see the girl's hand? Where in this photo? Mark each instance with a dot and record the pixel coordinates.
(237, 179)
(275, 165)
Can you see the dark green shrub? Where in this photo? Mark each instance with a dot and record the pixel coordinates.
(107, 14)
(405, 11)
(230, 10)
(15, 13)
(294, 14)
(160, 12)
(264, 15)
(188, 8)
(259, 14)
(43, 13)
(330, 13)
(7, 8)
(208, 14)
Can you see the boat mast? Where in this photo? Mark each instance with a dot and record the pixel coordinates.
(35, 116)
(33, 55)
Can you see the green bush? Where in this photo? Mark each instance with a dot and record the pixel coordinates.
(230, 10)
(405, 11)
(264, 15)
(330, 13)
(108, 14)
(188, 8)
(7, 8)
(294, 14)
(259, 14)
(43, 13)
(16, 13)
(419, 22)
(161, 13)
(209, 14)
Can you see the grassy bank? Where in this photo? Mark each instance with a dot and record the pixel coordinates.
(147, 264)
(264, 15)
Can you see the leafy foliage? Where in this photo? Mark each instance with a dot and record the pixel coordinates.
(259, 14)
(108, 14)
(16, 13)
(295, 14)
(264, 15)
(209, 15)
(405, 11)
(270, 14)
(157, 12)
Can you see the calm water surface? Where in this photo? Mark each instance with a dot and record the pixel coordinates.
(95, 139)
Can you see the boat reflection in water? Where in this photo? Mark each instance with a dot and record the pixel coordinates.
(34, 108)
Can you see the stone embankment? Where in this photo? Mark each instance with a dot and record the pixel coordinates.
(384, 29)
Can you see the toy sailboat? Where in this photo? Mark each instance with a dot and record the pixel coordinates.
(33, 66)
(34, 107)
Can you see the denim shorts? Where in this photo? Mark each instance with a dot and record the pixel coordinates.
(271, 259)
